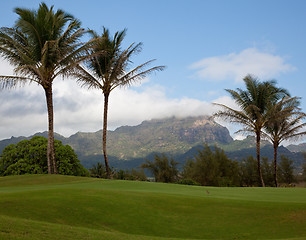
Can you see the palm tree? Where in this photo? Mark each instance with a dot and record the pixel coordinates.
(254, 103)
(285, 122)
(41, 48)
(109, 69)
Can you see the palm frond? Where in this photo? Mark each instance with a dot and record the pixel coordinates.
(285, 120)
(11, 82)
(14, 47)
(234, 116)
(86, 79)
(136, 74)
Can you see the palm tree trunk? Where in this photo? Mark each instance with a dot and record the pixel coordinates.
(50, 148)
(275, 164)
(108, 171)
(258, 159)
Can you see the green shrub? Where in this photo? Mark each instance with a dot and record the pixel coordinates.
(188, 182)
(212, 168)
(164, 169)
(30, 157)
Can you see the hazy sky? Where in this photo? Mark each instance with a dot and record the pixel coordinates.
(207, 46)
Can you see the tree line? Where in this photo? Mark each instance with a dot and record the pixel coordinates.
(211, 167)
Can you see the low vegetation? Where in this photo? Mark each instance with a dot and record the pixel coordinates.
(99, 171)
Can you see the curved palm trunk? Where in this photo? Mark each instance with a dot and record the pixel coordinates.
(50, 149)
(258, 159)
(275, 164)
(108, 171)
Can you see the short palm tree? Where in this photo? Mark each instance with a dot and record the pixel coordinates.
(42, 45)
(109, 69)
(285, 122)
(254, 103)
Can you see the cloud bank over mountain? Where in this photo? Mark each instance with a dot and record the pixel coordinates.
(23, 110)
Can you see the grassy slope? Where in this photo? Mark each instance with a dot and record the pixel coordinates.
(62, 207)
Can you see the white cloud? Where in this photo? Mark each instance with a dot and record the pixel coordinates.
(23, 111)
(237, 65)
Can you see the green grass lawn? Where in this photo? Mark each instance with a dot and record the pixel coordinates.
(63, 207)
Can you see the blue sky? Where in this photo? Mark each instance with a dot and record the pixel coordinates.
(207, 46)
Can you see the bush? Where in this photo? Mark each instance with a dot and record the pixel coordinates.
(285, 171)
(188, 182)
(30, 157)
(133, 175)
(212, 168)
(248, 172)
(164, 169)
(99, 171)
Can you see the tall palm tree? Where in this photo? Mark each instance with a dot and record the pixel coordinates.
(109, 69)
(254, 103)
(42, 45)
(285, 122)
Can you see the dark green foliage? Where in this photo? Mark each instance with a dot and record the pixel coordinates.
(30, 157)
(162, 168)
(133, 174)
(212, 169)
(99, 171)
(285, 171)
(188, 182)
(248, 172)
(267, 171)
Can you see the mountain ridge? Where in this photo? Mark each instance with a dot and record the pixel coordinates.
(173, 136)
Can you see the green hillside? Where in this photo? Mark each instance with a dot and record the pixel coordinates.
(63, 207)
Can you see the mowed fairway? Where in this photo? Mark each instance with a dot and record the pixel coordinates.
(63, 207)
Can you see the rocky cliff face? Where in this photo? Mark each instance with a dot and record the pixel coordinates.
(297, 148)
(171, 135)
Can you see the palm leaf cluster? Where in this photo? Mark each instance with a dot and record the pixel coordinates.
(39, 47)
(265, 111)
(110, 67)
